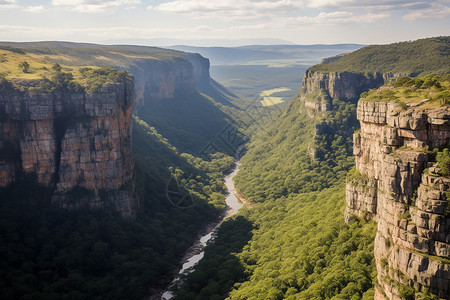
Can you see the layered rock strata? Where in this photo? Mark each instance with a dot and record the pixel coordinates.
(158, 80)
(319, 89)
(398, 186)
(78, 145)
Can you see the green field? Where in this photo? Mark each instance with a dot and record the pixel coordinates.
(269, 100)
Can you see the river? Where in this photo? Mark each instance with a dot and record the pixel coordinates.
(197, 251)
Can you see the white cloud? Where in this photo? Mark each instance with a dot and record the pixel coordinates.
(412, 9)
(341, 17)
(240, 10)
(34, 9)
(11, 32)
(417, 7)
(323, 18)
(228, 9)
(437, 11)
(94, 6)
(363, 4)
(7, 4)
(327, 3)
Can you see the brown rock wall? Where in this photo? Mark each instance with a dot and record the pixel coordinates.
(77, 144)
(408, 203)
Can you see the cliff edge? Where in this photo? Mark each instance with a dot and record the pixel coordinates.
(73, 142)
(397, 183)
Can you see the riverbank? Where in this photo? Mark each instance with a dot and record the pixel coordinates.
(242, 199)
(196, 252)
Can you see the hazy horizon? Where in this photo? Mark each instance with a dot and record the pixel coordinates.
(226, 23)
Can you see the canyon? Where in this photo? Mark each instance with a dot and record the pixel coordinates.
(78, 146)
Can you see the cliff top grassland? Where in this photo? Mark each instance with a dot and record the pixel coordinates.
(78, 54)
(416, 58)
(16, 64)
(427, 91)
(28, 72)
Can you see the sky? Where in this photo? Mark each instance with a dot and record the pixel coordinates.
(223, 22)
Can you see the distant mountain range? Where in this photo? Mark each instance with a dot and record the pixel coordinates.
(267, 54)
(164, 42)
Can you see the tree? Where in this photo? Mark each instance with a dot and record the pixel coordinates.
(443, 160)
(25, 66)
(56, 67)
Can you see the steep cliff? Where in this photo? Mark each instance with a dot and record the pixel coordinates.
(157, 80)
(319, 89)
(396, 183)
(74, 143)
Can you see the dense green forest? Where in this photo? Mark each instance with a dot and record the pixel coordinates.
(420, 57)
(289, 158)
(49, 253)
(294, 247)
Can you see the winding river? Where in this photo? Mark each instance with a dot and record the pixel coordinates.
(197, 251)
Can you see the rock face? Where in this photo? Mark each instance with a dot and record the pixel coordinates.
(78, 145)
(397, 186)
(200, 69)
(160, 79)
(319, 89)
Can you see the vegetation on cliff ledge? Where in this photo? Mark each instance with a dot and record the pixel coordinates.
(427, 91)
(24, 72)
(443, 161)
(420, 57)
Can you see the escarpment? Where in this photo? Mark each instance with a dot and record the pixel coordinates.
(397, 184)
(76, 144)
(162, 79)
(320, 88)
(157, 80)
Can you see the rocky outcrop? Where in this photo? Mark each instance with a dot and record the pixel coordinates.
(76, 144)
(320, 88)
(200, 68)
(161, 79)
(396, 185)
(157, 79)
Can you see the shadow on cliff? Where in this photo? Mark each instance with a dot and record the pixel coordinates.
(190, 121)
(220, 268)
(25, 193)
(218, 92)
(172, 227)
